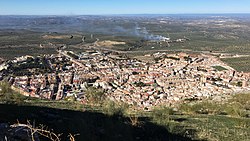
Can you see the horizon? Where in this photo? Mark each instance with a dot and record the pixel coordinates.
(137, 14)
(126, 7)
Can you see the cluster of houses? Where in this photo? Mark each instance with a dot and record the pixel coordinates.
(171, 79)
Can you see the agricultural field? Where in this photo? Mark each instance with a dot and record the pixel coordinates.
(201, 33)
(240, 64)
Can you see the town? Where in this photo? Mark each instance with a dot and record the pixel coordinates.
(169, 80)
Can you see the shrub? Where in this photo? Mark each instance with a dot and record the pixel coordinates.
(5, 88)
(237, 106)
(204, 107)
(161, 114)
(112, 108)
(7, 95)
(235, 109)
(94, 95)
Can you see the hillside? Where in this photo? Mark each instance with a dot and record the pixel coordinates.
(109, 121)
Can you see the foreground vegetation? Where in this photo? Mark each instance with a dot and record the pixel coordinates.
(101, 119)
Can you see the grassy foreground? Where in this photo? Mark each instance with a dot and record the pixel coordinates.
(113, 121)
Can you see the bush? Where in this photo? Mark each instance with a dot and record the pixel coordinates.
(112, 108)
(235, 109)
(5, 88)
(161, 115)
(7, 95)
(94, 95)
(204, 107)
(237, 106)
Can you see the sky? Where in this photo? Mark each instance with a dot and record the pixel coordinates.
(106, 7)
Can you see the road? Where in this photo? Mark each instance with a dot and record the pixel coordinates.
(71, 58)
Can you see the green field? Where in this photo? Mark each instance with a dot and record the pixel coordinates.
(10, 53)
(240, 64)
(219, 68)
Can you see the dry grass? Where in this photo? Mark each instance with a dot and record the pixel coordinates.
(42, 131)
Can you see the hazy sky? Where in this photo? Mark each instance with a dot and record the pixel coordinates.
(99, 7)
